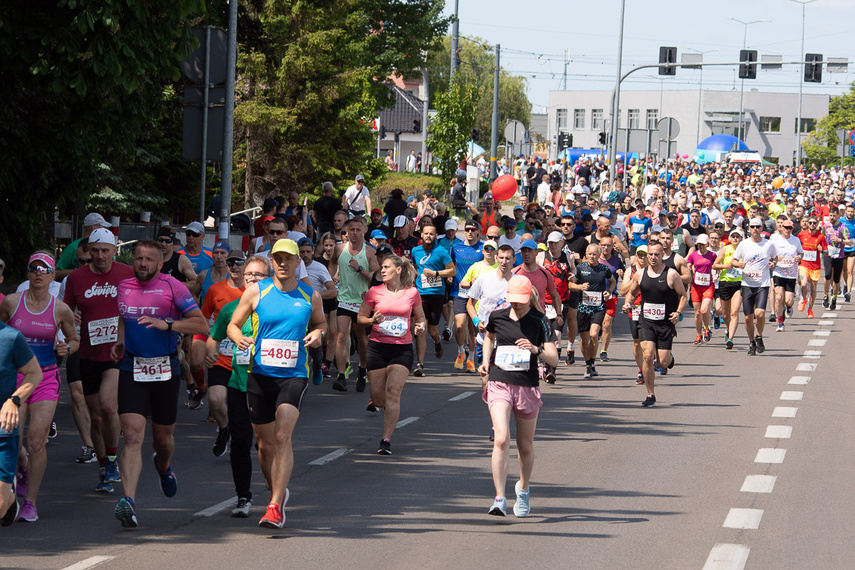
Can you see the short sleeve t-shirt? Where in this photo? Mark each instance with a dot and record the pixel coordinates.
(596, 276)
(509, 365)
(435, 260)
(812, 244)
(14, 354)
(702, 265)
(94, 294)
(219, 332)
(489, 291)
(756, 257)
(464, 256)
(541, 280)
(219, 295)
(397, 310)
(319, 276)
(788, 250)
(639, 227)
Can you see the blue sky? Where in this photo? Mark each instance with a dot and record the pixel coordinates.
(535, 35)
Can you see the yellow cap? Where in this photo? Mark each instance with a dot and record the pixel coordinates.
(285, 246)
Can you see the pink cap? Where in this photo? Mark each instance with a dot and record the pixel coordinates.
(519, 289)
(46, 259)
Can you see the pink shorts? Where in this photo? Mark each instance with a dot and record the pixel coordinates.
(524, 400)
(48, 388)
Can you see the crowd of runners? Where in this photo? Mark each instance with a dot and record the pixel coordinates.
(346, 295)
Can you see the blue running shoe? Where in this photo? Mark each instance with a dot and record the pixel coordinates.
(125, 513)
(168, 480)
(103, 486)
(317, 375)
(522, 507)
(111, 472)
(498, 509)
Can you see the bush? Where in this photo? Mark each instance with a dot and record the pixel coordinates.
(411, 184)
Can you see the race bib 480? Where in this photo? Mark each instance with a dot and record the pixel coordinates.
(279, 353)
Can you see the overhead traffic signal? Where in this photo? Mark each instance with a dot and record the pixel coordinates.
(476, 133)
(667, 55)
(748, 70)
(602, 138)
(382, 132)
(565, 140)
(417, 125)
(813, 68)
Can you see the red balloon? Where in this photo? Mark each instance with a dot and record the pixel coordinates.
(504, 187)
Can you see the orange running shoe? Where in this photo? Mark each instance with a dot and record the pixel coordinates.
(802, 304)
(460, 362)
(810, 313)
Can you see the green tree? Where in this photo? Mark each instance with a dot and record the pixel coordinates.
(449, 128)
(821, 144)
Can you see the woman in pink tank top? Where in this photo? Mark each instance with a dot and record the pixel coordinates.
(39, 316)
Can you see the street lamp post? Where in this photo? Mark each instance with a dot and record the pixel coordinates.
(700, 92)
(801, 83)
(742, 87)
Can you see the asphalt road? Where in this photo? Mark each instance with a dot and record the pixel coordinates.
(685, 484)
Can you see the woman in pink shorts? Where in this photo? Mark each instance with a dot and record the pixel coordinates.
(516, 337)
(39, 316)
(703, 286)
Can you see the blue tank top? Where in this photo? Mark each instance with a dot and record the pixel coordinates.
(279, 324)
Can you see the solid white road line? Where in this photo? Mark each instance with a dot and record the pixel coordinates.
(817, 342)
(743, 518)
(329, 457)
(727, 557)
(789, 395)
(89, 562)
(784, 412)
(406, 421)
(769, 455)
(812, 353)
(459, 397)
(758, 484)
(806, 367)
(211, 511)
(800, 380)
(822, 332)
(779, 432)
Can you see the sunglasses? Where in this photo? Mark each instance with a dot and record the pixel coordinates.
(81, 261)
(471, 229)
(235, 262)
(39, 269)
(192, 234)
(168, 240)
(277, 232)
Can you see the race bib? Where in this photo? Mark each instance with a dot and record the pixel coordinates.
(786, 263)
(463, 293)
(103, 331)
(833, 252)
(654, 311)
(352, 307)
(227, 347)
(702, 279)
(395, 326)
(754, 275)
(513, 358)
(242, 357)
(155, 369)
(551, 313)
(592, 298)
(734, 273)
(636, 312)
(279, 353)
(431, 282)
(810, 255)
(638, 228)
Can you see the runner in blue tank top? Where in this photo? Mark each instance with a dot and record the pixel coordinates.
(282, 311)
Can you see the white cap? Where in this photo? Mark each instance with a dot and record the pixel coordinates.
(450, 225)
(102, 235)
(703, 238)
(196, 227)
(555, 236)
(95, 219)
(401, 221)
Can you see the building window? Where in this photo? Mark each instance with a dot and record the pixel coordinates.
(597, 120)
(562, 119)
(770, 124)
(652, 118)
(578, 119)
(634, 115)
(808, 125)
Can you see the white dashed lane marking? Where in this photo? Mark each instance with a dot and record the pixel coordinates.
(812, 353)
(406, 421)
(788, 395)
(459, 397)
(800, 380)
(779, 432)
(825, 323)
(89, 562)
(211, 511)
(828, 315)
(329, 457)
(784, 412)
(817, 342)
(727, 557)
(822, 332)
(769, 455)
(806, 367)
(758, 484)
(743, 518)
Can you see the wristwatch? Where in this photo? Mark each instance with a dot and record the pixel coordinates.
(168, 321)
(360, 269)
(16, 400)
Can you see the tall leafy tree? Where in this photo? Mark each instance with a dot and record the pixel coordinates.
(450, 127)
(821, 144)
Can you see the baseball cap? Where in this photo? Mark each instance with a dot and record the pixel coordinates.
(541, 247)
(529, 243)
(786, 223)
(673, 215)
(377, 234)
(555, 236)
(196, 227)
(509, 223)
(518, 207)
(488, 196)
(306, 241)
(400, 221)
(359, 177)
(737, 231)
(95, 219)
(450, 225)
(491, 243)
(377, 210)
(703, 238)
(755, 223)
(223, 245)
(587, 218)
(641, 249)
(236, 254)
(519, 289)
(385, 249)
(269, 204)
(102, 235)
(285, 246)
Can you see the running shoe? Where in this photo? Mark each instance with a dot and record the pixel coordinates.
(28, 512)
(550, 375)
(348, 370)
(522, 506)
(825, 302)
(649, 401)
(460, 362)
(420, 370)
(87, 455)
(21, 480)
(360, 384)
(810, 313)
(761, 348)
(498, 509)
(716, 322)
(728, 343)
(780, 327)
(672, 363)
(12, 514)
(340, 383)
(241, 509)
(111, 472)
(773, 317)
(470, 365)
(222, 443)
(52, 432)
(437, 350)
(752, 349)
(446, 334)
(370, 407)
(317, 375)
(103, 486)
(789, 311)
(833, 303)
(571, 359)
(802, 304)
(326, 370)
(640, 378)
(707, 335)
(699, 339)
(848, 296)
(125, 513)
(275, 515)
(168, 480)
(604, 356)
(587, 372)
(594, 370)
(385, 447)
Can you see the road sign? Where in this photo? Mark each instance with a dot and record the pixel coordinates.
(852, 151)
(193, 67)
(514, 132)
(852, 137)
(668, 127)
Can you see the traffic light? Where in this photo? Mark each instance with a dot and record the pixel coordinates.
(668, 55)
(748, 70)
(417, 125)
(475, 135)
(813, 68)
(602, 138)
(565, 140)
(382, 132)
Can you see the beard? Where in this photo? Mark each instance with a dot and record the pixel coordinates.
(143, 276)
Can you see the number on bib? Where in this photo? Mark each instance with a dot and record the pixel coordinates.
(592, 298)
(636, 312)
(551, 312)
(227, 347)
(279, 353)
(431, 282)
(513, 358)
(155, 369)
(103, 331)
(352, 307)
(702, 279)
(395, 326)
(242, 357)
(810, 255)
(833, 252)
(734, 273)
(654, 311)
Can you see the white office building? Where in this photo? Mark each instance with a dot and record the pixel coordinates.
(769, 119)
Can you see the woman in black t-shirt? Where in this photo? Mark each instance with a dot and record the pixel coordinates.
(517, 335)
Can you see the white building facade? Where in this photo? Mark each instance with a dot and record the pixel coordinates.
(769, 119)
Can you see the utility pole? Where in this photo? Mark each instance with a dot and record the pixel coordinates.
(494, 135)
(801, 83)
(455, 35)
(566, 62)
(616, 101)
(228, 127)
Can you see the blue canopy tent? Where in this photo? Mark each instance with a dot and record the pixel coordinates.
(713, 149)
(574, 154)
